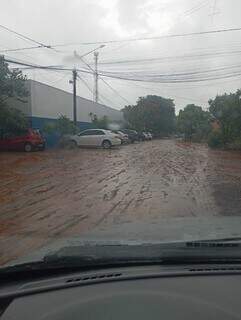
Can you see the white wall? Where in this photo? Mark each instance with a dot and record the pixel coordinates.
(23, 103)
(50, 102)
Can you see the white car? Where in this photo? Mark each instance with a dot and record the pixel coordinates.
(123, 136)
(95, 138)
(149, 135)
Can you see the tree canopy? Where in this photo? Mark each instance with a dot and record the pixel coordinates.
(62, 126)
(12, 85)
(226, 109)
(101, 123)
(193, 122)
(151, 113)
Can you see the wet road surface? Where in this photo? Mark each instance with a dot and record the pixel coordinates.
(60, 193)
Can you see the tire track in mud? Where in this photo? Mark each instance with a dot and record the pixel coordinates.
(70, 193)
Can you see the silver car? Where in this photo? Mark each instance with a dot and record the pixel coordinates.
(123, 136)
(95, 138)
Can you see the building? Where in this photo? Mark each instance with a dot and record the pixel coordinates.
(45, 104)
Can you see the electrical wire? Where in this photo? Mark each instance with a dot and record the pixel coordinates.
(115, 91)
(91, 91)
(25, 37)
(170, 58)
(170, 78)
(20, 49)
(43, 67)
(178, 35)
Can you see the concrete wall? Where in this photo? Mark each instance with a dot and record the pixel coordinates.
(50, 102)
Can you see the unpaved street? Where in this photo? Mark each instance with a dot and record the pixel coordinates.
(61, 193)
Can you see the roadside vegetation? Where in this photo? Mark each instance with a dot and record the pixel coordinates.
(151, 113)
(226, 110)
(219, 126)
(12, 85)
(194, 123)
(62, 126)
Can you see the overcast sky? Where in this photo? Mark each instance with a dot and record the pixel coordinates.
(77, 21)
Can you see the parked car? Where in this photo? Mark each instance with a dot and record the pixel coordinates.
(142, 136)
(148, 136)
(22, 140)
(132, 135)
(96, 138)
(123, 136)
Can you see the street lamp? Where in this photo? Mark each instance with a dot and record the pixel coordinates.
(96, 54)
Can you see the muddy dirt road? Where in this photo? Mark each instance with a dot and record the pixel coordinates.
(61, 193)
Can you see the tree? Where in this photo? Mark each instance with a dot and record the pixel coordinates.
(226, 109)
(12, 85)
(194, 122)
(62, 126)
(101, 123)
(151, 113)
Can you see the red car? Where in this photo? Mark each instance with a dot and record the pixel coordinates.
(25, 140)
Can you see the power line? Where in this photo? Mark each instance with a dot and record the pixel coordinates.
(25, 37)
(178, 35)
(165, 58)
(195, 8)
(86, 84)
(187, 73)
(115, 91)
(120, 41)
(22, 49)
(174, 96)
(91, 91)
(152, 79)
(26, 64)
(173, 80)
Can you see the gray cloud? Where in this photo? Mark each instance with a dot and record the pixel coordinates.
(58, 21)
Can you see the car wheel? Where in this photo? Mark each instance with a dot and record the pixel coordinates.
(28, 147)
(106, 144)
(72, 144)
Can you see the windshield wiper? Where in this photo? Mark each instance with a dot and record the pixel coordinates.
(96, 256)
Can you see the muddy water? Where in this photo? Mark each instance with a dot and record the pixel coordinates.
(44, 196)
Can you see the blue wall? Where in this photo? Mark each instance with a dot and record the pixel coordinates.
(52, 139)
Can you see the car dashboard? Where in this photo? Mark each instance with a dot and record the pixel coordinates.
(140, 292)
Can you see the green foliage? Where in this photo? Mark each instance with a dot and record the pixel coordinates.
(235, 144)
(12, 85)
(151, 113)
(49, 127)
(12, 119)
(63, 126)
(12, 82)
(100, 123)
(194, 122)
(227, 109)
(215, 139)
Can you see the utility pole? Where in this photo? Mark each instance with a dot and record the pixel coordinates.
(74, 97)
(96, 54)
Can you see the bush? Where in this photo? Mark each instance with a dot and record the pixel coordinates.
(215, 140)
(234, 145)
(62, 126)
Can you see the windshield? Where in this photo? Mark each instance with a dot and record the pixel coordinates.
(164, 77)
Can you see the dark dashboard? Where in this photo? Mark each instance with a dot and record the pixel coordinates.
(150, 292)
